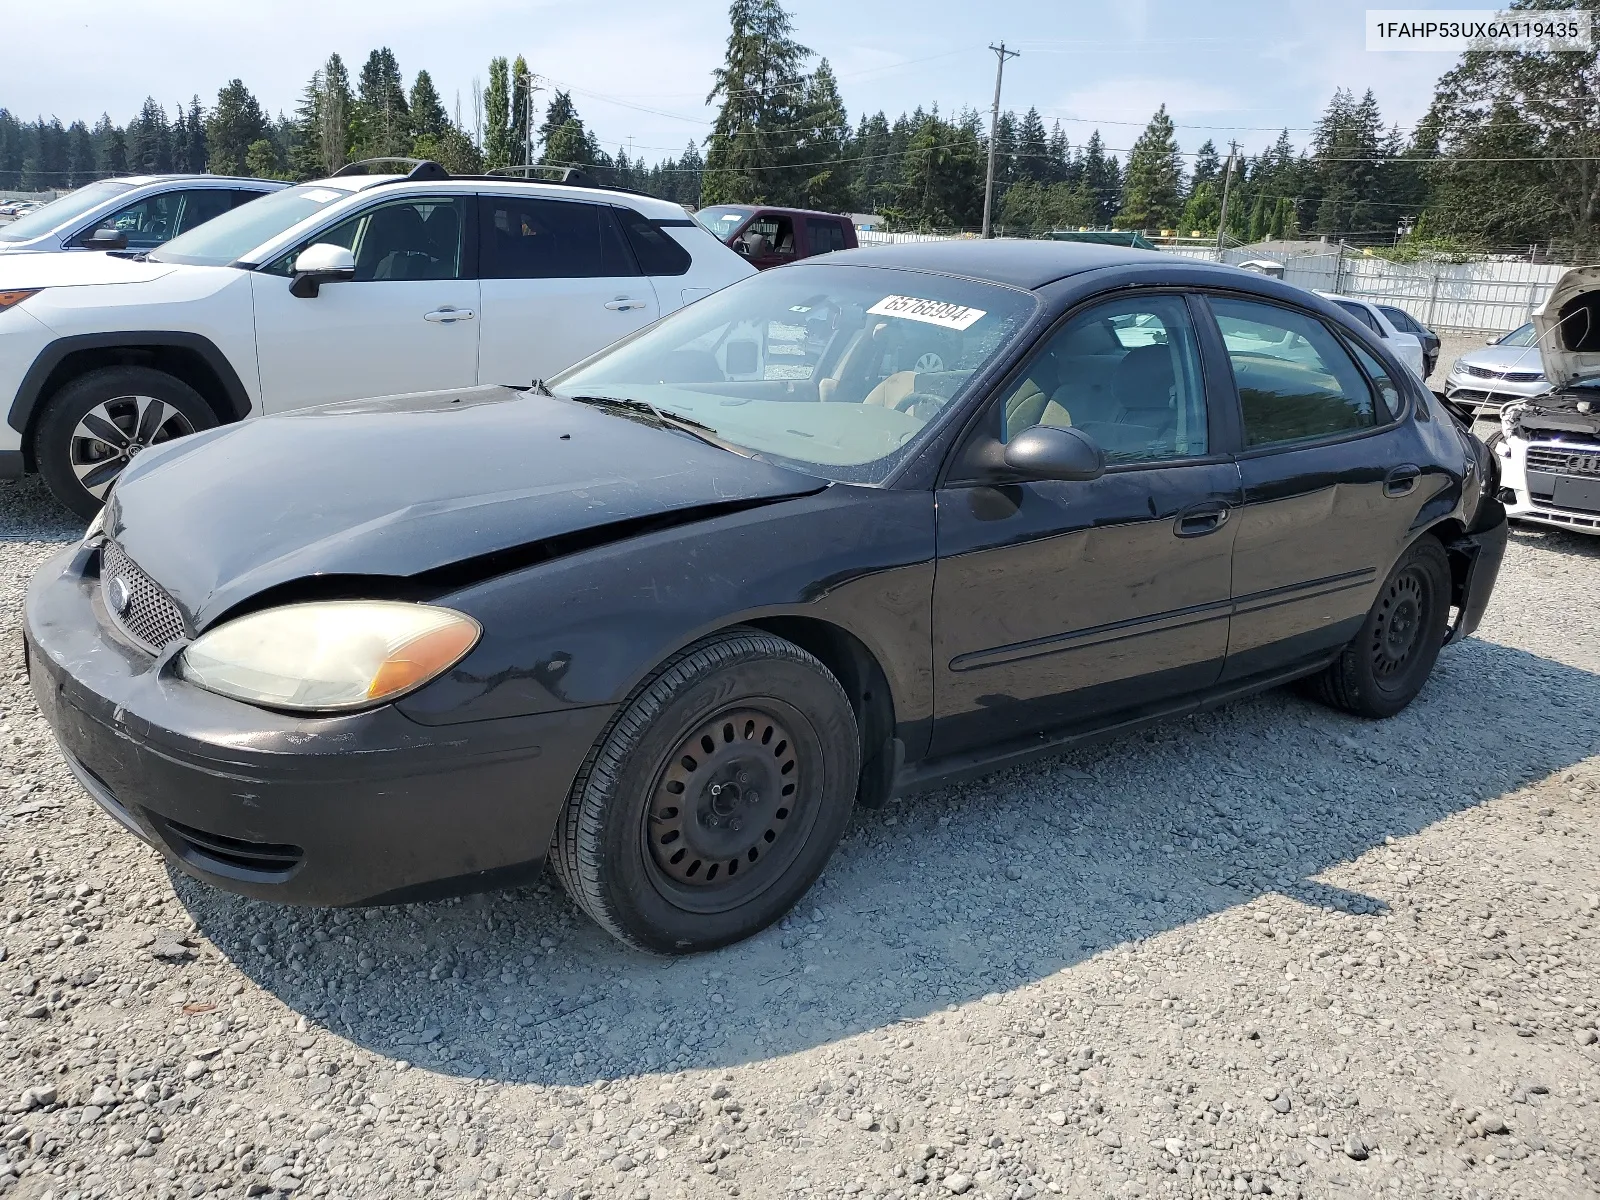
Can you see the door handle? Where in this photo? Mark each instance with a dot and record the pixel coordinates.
(449, 316)
(623, 304)
(1402, 481)
(1200, 519)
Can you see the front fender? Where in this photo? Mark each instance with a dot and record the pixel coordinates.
(586, 629)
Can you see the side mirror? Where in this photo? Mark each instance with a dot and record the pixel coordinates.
(105, 238)
(320, 264)
(1052, 452)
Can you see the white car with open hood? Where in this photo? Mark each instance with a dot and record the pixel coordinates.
(353, 286)
(1549, 445)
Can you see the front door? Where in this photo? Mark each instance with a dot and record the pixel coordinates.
(1332, 484)
(559, 282)
(1057, 604)
(407, 322)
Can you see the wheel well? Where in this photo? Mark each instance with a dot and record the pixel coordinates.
(181, 362)
(867, 687)
(1449, 533)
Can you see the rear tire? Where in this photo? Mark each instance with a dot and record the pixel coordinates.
(92, 427)
(714, 799)
(1383, 669)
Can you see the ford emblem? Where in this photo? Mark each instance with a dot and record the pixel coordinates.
(120, 595)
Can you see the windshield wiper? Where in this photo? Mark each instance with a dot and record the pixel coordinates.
(667, 420)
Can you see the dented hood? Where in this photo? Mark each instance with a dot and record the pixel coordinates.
(401, 485)
(1568, 328)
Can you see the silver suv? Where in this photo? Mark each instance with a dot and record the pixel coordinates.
(137, 213)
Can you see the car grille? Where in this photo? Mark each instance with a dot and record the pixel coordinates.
(230, 856)
(1508, 376)
(1574, 461)
(146, 614)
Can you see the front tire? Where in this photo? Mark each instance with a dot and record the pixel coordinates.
(94, 426)
(714, 799)
(1384, 667)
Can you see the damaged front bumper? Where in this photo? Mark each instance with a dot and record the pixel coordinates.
(1475, 559)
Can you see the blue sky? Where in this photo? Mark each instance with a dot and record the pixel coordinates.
(639, 69)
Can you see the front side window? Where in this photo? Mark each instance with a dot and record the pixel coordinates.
(767, 235)
(839, 371)
(531, 238)
(416, 238)
(1127, 373)
(148, 223)
(1296, 382)
(1522, 335)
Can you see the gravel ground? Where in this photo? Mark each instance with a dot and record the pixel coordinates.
(1270, 950)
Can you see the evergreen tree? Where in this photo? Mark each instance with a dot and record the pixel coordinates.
(1202, 210)
(565, 141)
(44, 163)
(1103, 177)
(428, 117)
(820, 149)
(869, 152)
(150, 140)
(381, 116)
(322, 122)
(189, 139)
(233, 126)
(261, 159)
(1207, 166)
(1033, 150)
(497, 115)
(1060, 157)
(521, 85)
(1152, 187)
(761, 89)
(110, 148)
(80, 156)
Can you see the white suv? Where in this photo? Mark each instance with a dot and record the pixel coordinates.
(358, 285)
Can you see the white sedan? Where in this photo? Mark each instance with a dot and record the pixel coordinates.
(1407, 347)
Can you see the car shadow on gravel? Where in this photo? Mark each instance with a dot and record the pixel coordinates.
(936, 900)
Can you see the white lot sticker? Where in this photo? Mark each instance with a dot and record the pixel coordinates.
(931, 312)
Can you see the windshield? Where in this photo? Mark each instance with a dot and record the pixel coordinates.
(1521, 336)
(834, 370)
(723, 219)
(60, 212)
(228, 238)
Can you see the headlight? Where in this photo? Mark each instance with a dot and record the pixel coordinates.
(328, 656)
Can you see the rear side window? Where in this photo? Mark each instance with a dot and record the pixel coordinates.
(1388, 393)
(199, 206)
(657, 251)
(1296, 381)
(826, 236)
(530, 238)
(1360, 313)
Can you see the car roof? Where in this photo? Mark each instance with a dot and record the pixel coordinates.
(781, 208)
(1021, 263)
(216, 180)
(650, 206)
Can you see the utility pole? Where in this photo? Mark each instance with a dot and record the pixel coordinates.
(1227, 178)
(1001, 54)
(527, 133)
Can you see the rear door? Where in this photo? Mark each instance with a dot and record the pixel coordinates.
(1332, 481)
(407, 322)
(1057, 604)
(560, 281)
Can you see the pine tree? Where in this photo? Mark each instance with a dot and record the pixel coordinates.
(497, 115)
(1060, 156)
(80, 156)
(761, 88)
(565, 141)
(1201, 211)
(382, 117)
(150, 140)
(234, 124)
(1207, 166)
(820, 150)
(189, 139)
(110, 148)
(1033, 151)
(1103, 177)
(428, 117)
(1152, 187)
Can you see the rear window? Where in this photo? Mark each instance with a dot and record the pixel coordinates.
(655, 248)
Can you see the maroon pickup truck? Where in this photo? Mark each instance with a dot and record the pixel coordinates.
(770, 237)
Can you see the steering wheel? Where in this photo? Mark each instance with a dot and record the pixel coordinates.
(928, 362)
(922, 405)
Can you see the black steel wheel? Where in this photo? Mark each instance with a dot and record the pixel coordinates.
(712, 802)
(1385, 666)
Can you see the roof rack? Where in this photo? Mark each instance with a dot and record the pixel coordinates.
(573, 176)
(421, 168)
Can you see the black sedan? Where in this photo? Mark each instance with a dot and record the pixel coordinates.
(844, 531)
